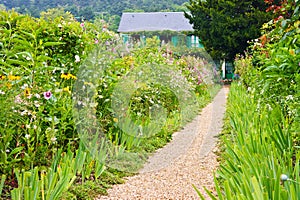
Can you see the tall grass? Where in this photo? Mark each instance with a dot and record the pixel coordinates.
(258, 152)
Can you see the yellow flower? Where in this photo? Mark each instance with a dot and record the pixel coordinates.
(2, 77)
(72, 76)
(8, 85)
(67, 89)
(64, 76)
(68, 76)
(27, 92)
(87, 83)
(115, 120)
(13, 78)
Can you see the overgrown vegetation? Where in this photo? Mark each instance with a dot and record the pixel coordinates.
(45, 87)
(91, 9)
(260, 159)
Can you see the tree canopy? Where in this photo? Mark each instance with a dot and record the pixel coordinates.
(90, 8)
(225, 26)
(108, 10)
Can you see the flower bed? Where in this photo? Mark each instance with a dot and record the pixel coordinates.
(44, 70)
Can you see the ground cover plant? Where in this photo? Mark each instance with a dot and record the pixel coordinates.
(42, 153)
(260, 144)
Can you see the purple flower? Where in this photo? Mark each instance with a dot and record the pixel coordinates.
(47, 95)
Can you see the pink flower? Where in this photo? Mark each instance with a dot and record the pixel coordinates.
(82, 25)
(47, 95)
(96, 41)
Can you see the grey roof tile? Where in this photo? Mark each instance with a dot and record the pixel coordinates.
(154, 21)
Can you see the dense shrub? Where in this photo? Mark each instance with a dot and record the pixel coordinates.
(261, 144)
(42, 60)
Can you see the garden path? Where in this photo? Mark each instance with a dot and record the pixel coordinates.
(188, 159)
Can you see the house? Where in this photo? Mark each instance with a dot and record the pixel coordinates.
(171, 27)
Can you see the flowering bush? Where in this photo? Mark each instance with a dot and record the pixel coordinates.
(39, 64)
(39, 60)
(261, 157)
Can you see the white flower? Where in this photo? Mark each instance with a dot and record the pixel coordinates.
(50, 119)
(37, 96)
(93, 105)
(53, 139)
(36, 103)
(27, 126)
(77, 58)
(24, 112)
(1, 92)
(24, 86)
(284, 177)
(269, 107)
(34, 127)
(18, 99)
(27, 136)
(7, 150)
(289, 97)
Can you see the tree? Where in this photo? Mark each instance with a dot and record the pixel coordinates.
(53, 13)
(225, 26)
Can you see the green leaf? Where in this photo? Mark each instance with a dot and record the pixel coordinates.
(47, 44)
(258, 194)
(3, 177)
(28, 34)
(198, 192)
(16, 150)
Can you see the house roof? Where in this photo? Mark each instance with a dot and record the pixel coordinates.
(154, 21)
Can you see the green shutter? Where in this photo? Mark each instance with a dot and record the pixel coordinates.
(174, 40)
(125, 37)
(188, 41)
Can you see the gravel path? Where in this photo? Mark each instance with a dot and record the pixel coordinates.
(188, 159)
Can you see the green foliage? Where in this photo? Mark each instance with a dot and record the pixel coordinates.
(260, 147)
(51, 183)
(92, 8)
(41, 153)
(257, 151)
(59, 12)
(38, 57)
(226, 26)
(276, 56)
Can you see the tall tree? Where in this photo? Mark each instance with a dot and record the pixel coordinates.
(225, 26)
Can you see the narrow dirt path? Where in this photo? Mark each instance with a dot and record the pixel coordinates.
(188, 159)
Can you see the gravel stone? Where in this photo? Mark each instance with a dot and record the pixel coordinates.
(189, 159)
